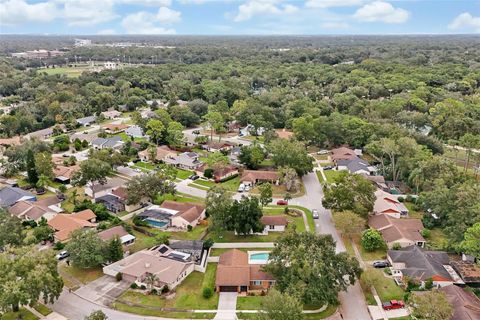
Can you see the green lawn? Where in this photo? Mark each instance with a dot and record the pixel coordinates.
(198, 186)
(145, 165)
(179, 197)
(386, 288)
(188, 296)
(183, 174)
(44, 310)
(22, 314)
(279, 191)
(249, 303)
(412, 213)
(68, 71)
(232, 184)
(82, 275)
(331, 175)
(297, 221)
(437, 239)
(229, 236)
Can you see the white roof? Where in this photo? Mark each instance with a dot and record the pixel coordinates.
(127, 238)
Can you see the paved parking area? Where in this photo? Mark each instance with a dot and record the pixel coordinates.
(227, 306)
(104, 290)
(378, 313)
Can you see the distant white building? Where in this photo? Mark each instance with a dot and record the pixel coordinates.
(109, 65)
(83, 42)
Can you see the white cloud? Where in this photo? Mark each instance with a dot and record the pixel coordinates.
(13, 12)
(335, 25)
(381, 11)
(88, 12)
(152, 3)
(144, 23)
(192, 1)
(167, 15)
(261, 7)
(333, 3)
(465, 21)
(107, 31)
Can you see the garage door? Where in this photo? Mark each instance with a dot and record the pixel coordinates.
(228, 288)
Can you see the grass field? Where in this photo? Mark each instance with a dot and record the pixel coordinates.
(82, 275)
(44, 310)
(22, 314)
(331, 175)
(386, 288)
(68, 71)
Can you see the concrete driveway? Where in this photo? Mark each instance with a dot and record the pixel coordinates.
(103, 291)
(227, 306)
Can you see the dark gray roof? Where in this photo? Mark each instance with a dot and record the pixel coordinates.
(156, 214)
(108, 142)
(186, 245)
(10, 195)
(109, 199)
(421, 264)
(86, 120)
(354, 165)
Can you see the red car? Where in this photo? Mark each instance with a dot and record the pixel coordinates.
(282, 202)
(393, 304)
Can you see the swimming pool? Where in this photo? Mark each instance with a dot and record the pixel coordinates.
(258, 257)
(155, 223)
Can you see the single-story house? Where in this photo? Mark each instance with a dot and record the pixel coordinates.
(378, 181)
(111, 114)
(218, 174)
(86, 121)
(405, 232)
(65, 224)
(214, 146)
(252, 177)
(46, 208)
(122, 194)
(135, 132)
(65, 174)
(147, 114)
(41, 134)
(89, 137)
(466, 306)
(161, 154)
(114, 142)
(356, 165)
(115, 128)
(469, 271)
(185, 160)
(191, 247)
(234, 153)
(170, 267)
(101, 189)
(111, 202)
(276, 223)
(342, 153)
(117, 231)
(385, 203)
(11, 195)
(175, 214)
(421, 265)
(235, 274)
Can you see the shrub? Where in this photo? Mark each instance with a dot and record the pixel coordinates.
(134, 286)
(189, 228)
(208, 173)
(143, 287)
(119, 276)
(233, 176)
(139, 222)
(154, 291)
(409, 198)
(429, 284)
(372, 240)
(62, 188)
(401, 199)
(165, 289)
(29, 223)
(396, 246)
(58, 246)
(425, 233)
(207, 244)
(207, 293)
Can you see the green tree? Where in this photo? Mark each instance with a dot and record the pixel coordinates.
(97, 315)
(156, 130)
(350, 192)
(218, 204)
(432, 305)
(149, 186)
(289, 178)
(114, 250)
(175, 134)
(372, 240)
(306, 265)
(217, 160)
(266, 193)
(61, 143)
(86, 249)
(471, 241)
(251, 156)
(32, 174)
(291, 154)
(42, 181)
(44, 164)
(42, 233)
(348, 222)
(469, 141)
(11, 231)
(28, 274)
(92, 171)
(245, 215)
(214, 121)
(280, 306)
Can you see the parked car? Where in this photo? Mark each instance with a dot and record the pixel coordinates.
(193, 177)
(323, 152)
(62, 255)
(380, 264)
(197, 132)
(247, 188)
(241, 187)
(393, 304)
(315, 214)
(328, 168)
(282, 202)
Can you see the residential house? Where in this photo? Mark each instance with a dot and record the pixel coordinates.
(215, 146)
(117, 231)
(252, 177)
(113, 128)
(162, 153)
(102, 189)
(276, 223)
(469, 271)
(147, 113)
(111, 114)
(466, 306)
(236, 274)
(111, 202)
(41, 134)
(89, 137)
(219, 174)
(356, 165)
(185, 160)
(11, 195)
(421, 265)
(122, 194)
(65, 224)
(192, 247)
(64, 174)
(386, 203)
(46, 208)
(86, 121)
(170, 267)
(378, 181)
(405, 232)
(114, 142)
(174, 214)
(342, 153)
(233, 155)
(135, 132)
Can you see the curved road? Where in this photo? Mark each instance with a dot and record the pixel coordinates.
(353, 301)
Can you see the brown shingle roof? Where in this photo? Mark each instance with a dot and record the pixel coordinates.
(120, 192)
(343, 153)
(162, 153)
(256, 273)
(262, 175)
(65, 224)
(274, 220)
(394, 229)
(67, 172)
(188, 211)
(465, 304)
(118, 231)
(33, 210)
(233, 257)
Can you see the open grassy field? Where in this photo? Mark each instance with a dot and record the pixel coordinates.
(70, 72)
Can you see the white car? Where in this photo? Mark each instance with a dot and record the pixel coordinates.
(241, 188)
(315, 214)
(62, 255)
(247, 188)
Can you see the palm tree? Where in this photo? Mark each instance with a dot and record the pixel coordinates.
(150, 280)
(42, 181)
(74, 196)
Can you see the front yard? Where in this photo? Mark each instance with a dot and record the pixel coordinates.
(279, 191)
(73, 276)
(386, 288)
(22, 314)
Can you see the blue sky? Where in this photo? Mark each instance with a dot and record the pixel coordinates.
(239, 16)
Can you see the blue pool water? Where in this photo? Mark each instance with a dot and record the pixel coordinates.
(262, 256)
(155, 223)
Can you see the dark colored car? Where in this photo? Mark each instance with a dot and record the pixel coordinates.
(282, 202)
(393, 304)
(328, 168)
(380, 264)
(193, 177)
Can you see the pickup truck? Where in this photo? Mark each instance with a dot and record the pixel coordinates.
(393, 304)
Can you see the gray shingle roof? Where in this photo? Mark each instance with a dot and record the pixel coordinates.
(10, 195)
(86, 120)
